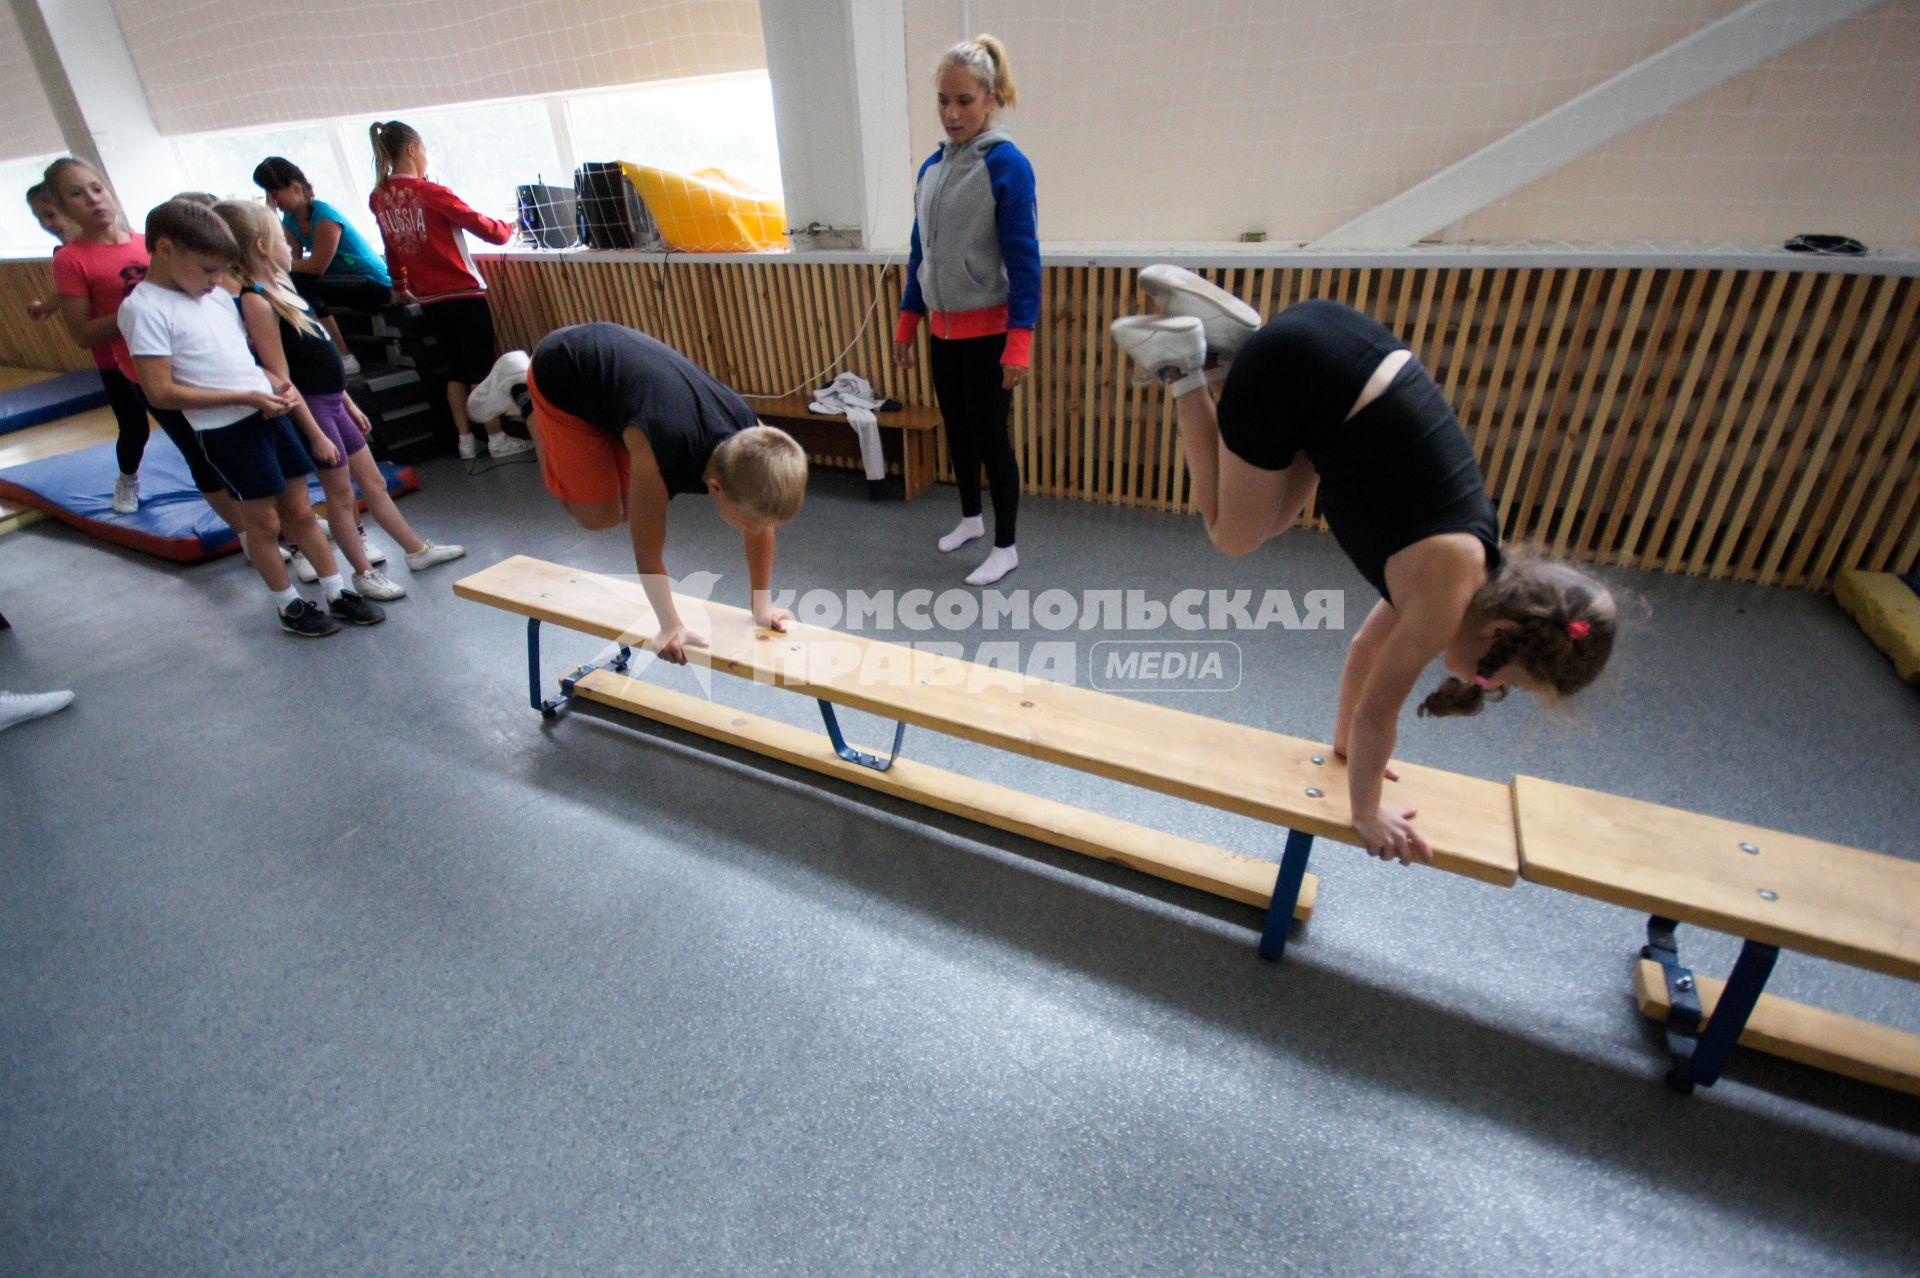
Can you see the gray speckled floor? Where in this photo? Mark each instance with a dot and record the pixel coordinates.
(330, 958)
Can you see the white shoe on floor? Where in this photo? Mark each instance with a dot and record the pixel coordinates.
(376, 585)
(375, 555)
(19, 707)
(126, 494)
(301, 568)
(1228, 321)
(505, 445)
(430, 554)
(1168, 347)
(493, 397)
(469, 446)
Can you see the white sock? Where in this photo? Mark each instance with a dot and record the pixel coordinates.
(1196, 380)
(1002, 560)
(333, 586)
(969, 528)
(285, 599)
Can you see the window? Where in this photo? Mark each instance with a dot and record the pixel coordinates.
(20, 233)
(223, 163)
(483, 152)
(724, 122)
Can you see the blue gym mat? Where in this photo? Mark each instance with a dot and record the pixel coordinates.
(173, 521)
(51, 400)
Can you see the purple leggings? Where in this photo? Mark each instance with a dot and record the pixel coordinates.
(330, 414)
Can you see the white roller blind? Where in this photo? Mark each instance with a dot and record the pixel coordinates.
(223, 64)
(30, 126)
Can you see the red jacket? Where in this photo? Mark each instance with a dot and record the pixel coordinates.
(421, 222)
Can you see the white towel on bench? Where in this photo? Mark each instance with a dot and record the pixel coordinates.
(851, 396)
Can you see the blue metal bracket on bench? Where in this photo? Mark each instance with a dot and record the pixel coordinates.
(548, 709)
(1699, 1056)
(1286, 894)
(861, 757)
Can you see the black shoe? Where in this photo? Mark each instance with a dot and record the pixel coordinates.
(304, 618)
(351, 608)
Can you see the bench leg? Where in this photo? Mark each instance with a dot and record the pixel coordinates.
(1286, 894)
(1700, 1056)
(549, 709)
(916, 462)
(851, 755)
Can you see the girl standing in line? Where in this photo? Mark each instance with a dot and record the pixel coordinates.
(424, 225)
(46, 211)
(290, 344)
(974, 274)
(93, 273)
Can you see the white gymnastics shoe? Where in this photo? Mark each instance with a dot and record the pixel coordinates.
(1167, 347)
(1228, 320)
(493, 397)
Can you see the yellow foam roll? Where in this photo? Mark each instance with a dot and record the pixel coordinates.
(1889, 612)
(710, 211)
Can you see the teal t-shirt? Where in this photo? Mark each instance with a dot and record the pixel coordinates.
(353, 257)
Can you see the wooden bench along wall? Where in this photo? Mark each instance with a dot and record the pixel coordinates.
(1760, 426)
(1771, 889)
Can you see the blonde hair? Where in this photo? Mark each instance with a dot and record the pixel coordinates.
(763, 471)
(390, 140)
(985, 59)
(251, 225)
(1564, 623)
(51, 180)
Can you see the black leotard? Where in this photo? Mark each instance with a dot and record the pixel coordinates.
(1397, 472)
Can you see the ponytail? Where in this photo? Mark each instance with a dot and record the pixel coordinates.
(985, 59)
(390, 140)
(254, 224)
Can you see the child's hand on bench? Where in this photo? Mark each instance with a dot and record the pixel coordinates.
(672, 643)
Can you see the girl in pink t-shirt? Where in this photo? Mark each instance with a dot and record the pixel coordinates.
(93, 273)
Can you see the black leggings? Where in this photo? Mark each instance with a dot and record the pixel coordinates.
(966, 381)
(130, 413)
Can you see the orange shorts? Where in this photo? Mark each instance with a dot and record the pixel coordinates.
(578, 462)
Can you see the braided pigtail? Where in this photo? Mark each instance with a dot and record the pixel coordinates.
(1560, 630)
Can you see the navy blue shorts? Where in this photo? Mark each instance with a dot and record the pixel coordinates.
(256, 456)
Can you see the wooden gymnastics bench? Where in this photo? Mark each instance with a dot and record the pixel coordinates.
(1772, 890)
(906, 437)
(1282, 780)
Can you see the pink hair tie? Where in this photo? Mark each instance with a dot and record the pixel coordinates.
(1578, 630)
(1482, 681)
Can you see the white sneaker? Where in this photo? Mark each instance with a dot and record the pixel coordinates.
(469, 446)
(493, 397)
(1228, 320)
(430, 554)
(1168, 347)
(18, 707)
(286, 553)
(350, 364)
(375, 555)
(126, 494)
(376, 585)
(505, 445)
(301, 568)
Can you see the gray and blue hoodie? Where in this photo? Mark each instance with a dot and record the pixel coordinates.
(974, 267)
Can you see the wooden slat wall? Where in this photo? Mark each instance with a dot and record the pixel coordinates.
(1753, 425)
(30, 343)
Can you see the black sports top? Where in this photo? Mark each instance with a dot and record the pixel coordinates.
(613, 377)
(313, 366)
(1397, 472)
